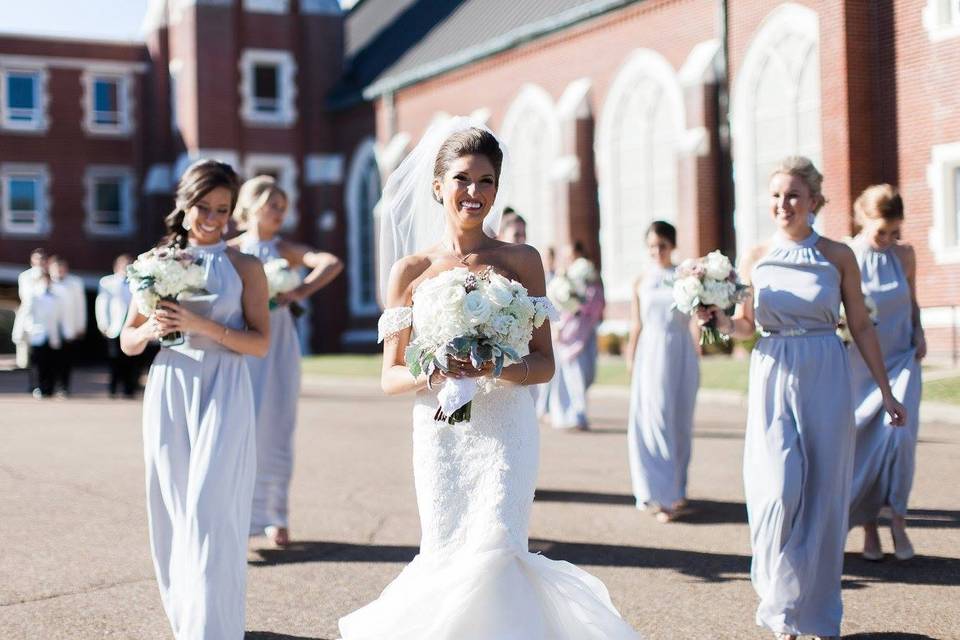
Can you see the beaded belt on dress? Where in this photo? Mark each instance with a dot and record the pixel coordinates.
(795, 332)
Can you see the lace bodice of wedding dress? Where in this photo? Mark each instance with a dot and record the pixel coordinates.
(474, 578)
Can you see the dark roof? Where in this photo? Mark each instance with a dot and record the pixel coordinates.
(395, 44)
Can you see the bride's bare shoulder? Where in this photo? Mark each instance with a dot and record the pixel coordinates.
(403, 278)
(524, 260)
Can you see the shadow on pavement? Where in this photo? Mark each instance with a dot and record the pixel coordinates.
(268, 635)
(697, 511)
(887, 635)
(927, 570)
(309, 551)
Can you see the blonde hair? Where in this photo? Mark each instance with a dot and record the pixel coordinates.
(803, 168)
(879, 201)
(253, 195)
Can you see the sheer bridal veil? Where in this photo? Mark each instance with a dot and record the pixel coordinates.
(410, 219)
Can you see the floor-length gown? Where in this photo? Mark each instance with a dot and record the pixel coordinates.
(798, 455)
(276, 389)
(198, 433)
(576, 334)
(666, 376)
(884, 455)
(474, 578)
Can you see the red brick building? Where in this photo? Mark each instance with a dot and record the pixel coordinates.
(616, 112)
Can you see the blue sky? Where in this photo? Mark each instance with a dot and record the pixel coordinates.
(95, 19)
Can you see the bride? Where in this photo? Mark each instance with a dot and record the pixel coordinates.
(474, 578)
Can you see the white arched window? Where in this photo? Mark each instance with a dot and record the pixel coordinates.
(532, 133)
(363, 194)
(776, 112)
(639, 135)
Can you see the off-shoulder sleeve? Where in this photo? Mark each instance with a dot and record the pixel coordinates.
(543, 303)
(393, 321)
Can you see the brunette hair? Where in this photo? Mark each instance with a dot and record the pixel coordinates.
(803, 168)
(200, 178)
(880, 201)
(511, 217)
(469, 142)
(665, 230)
(253, 195)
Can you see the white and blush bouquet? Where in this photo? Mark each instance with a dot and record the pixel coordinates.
(568, 289)
(707, 281)
(476, 317)
(281, 278)
(164, 273)
(843, 328)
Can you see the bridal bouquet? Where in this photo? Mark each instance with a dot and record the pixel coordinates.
(476, 317)
(281, 279)
(164, 273)
(843, 329)
(706, 281)
(568, 290)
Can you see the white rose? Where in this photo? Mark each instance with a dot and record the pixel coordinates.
(717, 266)
(504, 324)
(499, 291)
(476, 307)
(687, 292)
(451, 297)
(718, 292)
(582, 271)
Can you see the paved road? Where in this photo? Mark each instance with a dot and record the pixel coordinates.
(74, 562)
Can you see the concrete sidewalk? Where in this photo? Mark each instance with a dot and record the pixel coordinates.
(75, 562)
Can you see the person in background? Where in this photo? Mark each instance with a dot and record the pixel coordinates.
(113, 300)
(40, 325)
(513, 228)
(71, 291)
(25, 283)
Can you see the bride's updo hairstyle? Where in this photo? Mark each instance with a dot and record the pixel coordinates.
(803, 168)
(253, 195)
(197, 181)
(468, 142)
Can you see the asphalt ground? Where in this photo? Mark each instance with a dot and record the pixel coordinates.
(75, 563)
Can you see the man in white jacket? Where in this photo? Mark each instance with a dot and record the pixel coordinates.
(69, 288)
(26, 281)
(40, 325)
(113, 301)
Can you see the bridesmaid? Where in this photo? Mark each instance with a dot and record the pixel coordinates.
(198, 426)
(575, 341)
(798, 454)
(261, 208)
(666, 374)
(884, 459)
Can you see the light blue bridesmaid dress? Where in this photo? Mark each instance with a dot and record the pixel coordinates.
(276, 389)
(884, 458)
(666, 376)
(199, 448)
(798, 454)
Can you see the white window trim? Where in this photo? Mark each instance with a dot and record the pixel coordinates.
(266, 6)
(286, 165)
(945, 158)
(532, 97)
(366, 151)
(175, 69)
(941, 19)
(184, 160)
(127, 197)
(287, 114)
(642, 63)
(788, 18)
(41, 123)
(125, 100)
(41, 226)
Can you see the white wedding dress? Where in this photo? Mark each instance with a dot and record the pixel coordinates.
(474, 578)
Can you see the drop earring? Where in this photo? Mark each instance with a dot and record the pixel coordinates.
(185, 225)
(811, 219)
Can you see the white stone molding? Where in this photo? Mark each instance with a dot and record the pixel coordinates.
(943, 176)
(702, 64)
(941, 19)
(363, 161)
(286, 113)
(184, 160)
(323, 168)
(41, 224)
(482, 114)
(775, 111)
(125, 103)
(574, 104)
(39, 122)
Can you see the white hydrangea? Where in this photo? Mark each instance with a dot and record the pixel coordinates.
(163, 273)
(280, 277)
(687, 292)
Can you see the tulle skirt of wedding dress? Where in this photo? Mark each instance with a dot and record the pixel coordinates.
(474, 578)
